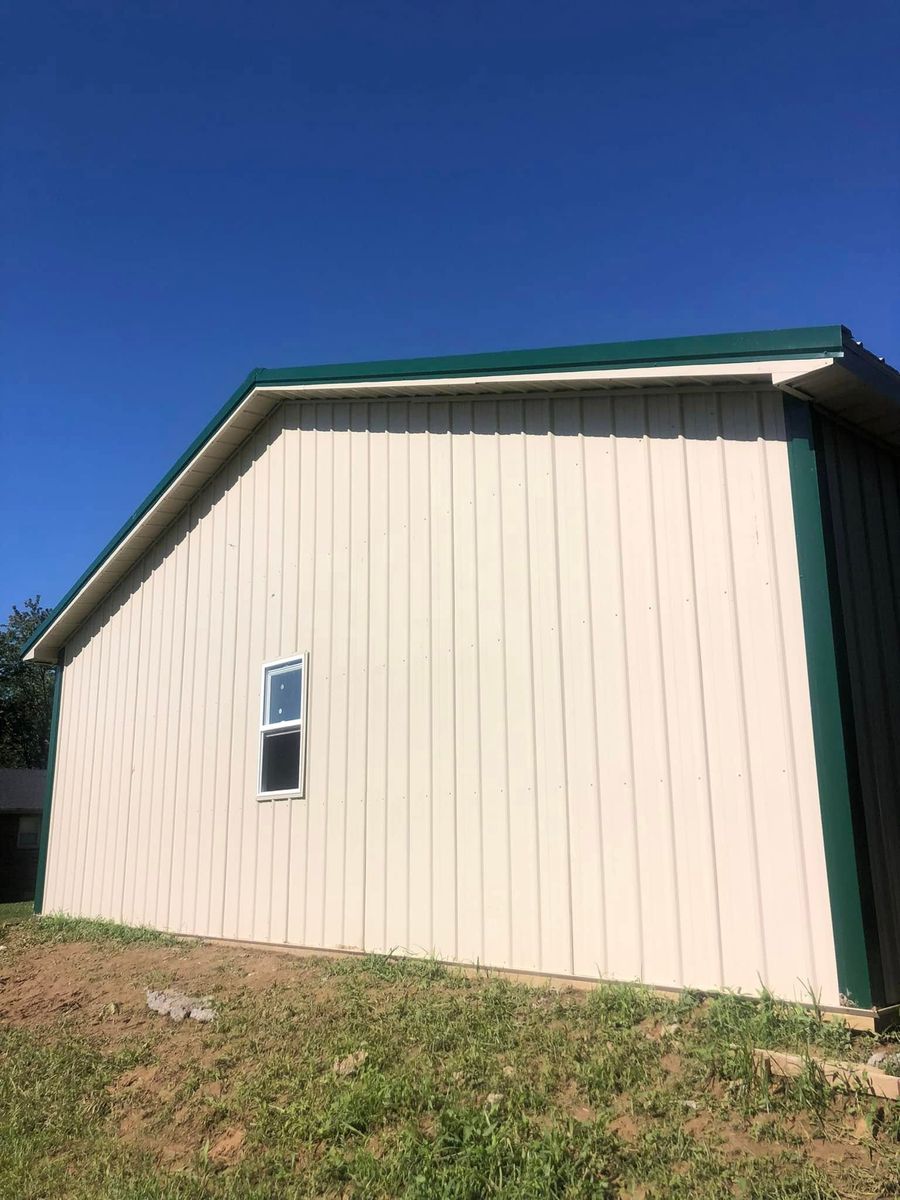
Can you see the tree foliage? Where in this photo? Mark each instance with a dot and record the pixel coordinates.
(26, 692)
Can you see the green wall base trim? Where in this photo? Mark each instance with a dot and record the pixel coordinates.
(828, 725)
(48, 795)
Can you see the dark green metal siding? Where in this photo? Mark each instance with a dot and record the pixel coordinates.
(834, 765)
(860, 487)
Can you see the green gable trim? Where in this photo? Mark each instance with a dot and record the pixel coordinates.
(828, 727)
(809, 342)
(48, 795)
(812, 342)
(174, 471)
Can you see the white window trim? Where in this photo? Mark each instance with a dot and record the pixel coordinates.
(299, 792)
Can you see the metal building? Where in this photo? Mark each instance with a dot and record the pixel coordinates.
(582, 662)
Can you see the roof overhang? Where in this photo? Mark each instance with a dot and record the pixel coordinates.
(823, 365)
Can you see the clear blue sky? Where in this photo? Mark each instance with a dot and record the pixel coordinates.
(191, 190)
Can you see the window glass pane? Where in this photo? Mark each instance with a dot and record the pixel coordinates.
(28, 833)
(281, 761)
(282, 694)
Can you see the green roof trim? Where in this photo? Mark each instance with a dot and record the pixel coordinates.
(811, 342)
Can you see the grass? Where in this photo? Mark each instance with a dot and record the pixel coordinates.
(82, 929)
(53, 928)
(12, 914)
(462, 1088)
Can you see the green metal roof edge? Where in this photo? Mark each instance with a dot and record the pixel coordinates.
(665, 352)
(810, 342)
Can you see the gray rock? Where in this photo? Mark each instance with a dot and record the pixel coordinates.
(175, 1004)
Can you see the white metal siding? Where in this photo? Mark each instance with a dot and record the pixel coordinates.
(558, 707)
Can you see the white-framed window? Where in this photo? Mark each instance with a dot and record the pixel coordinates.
(282, 728)
(28, 833)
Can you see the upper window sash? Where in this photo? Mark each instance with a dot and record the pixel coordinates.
(283, 692)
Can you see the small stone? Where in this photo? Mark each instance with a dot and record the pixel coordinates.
(691, 1104)
(346, 1066)
(494, 1098)
(176, 1005)
(876, 1059)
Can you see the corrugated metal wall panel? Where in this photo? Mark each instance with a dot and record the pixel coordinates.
(862, 495)
(558, 716)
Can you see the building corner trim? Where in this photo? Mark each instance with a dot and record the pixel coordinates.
(48, 794)
(832, 771)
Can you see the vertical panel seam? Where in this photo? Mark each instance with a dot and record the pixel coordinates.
(329, 700)
(312, 436)
(191, 675)
(216, 731)
(452, 507)
(478, 705)
(130, 758)
(385, 783)
(738, 648)
(533, 697)
(409, 611)
(626, 675)
(345, 799)
(229, 799)
(367, 409)
(710, 814)
(178, 618)
(119, 707)
(430, 774)
(562, 680)
(598, 797)
(276, 424)
(505, 691)
(667, 759)
(99, 637)
(107, 753)
(250, 502)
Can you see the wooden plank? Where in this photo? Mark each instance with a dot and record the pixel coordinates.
(856, 1077)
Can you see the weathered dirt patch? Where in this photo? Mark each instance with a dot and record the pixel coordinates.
(229, 1147)
(100, 989)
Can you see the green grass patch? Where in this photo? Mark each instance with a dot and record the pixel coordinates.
(56, 928)
(378, 1076)
(13, 914)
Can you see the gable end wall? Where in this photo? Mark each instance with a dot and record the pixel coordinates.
(558, 706)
